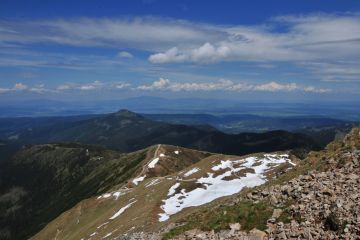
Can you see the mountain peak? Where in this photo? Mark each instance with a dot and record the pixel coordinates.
(126, 113)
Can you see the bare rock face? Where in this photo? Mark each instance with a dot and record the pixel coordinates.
(276, 214)
(257, 234)
(325, 204)
(196, 234)
(234, 227)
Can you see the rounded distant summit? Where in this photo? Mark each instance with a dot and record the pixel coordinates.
(126, 113)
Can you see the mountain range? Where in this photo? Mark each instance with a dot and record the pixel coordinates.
(126, 131)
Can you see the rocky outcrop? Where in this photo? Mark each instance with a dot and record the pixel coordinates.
(323, 205)
(317, 205)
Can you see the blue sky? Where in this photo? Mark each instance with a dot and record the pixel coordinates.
(255, 50)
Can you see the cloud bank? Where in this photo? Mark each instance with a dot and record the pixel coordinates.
(228, 85)
(326, 46)
(323, 37)
(302, 38)
(163, 84)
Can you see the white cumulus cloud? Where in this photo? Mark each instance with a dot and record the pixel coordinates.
(162, 83)
(20, 87)
(171, 55)
(91, 86)
(124, 54)
(122, 85)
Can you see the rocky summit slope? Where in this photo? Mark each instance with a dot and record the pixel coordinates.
(260, 196)
(322, 202)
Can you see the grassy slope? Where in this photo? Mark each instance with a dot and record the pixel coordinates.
(56, 177)
(43, 181)
(143, 214)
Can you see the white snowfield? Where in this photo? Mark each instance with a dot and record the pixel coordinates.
(105, 195)
(191, 172)
(177, 152)
(172, 190)
(138, 179)
(153, 163)
(115, 194)
(118, 213)
(118, 194)
(216, 187)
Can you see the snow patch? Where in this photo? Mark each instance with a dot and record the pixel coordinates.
(177, 152)
(162, 155)
(138, 179)
(153, 163)
(216, 187)
(107, 235)
(118, 213)
(105, 195)
(191, 172)
(118, 194)
(294, 164)
(222, 165)
(163, 217)
(101, 225)
(153, 182)
(172, 190)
